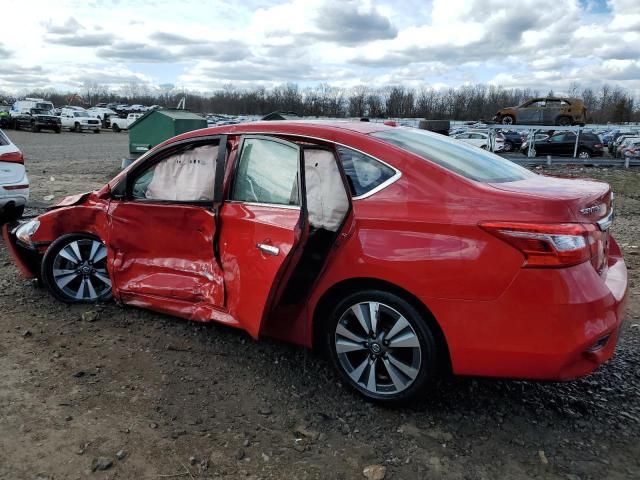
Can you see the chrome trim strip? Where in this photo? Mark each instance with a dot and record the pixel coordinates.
(605, 223)
(373, 191)
(259, 204)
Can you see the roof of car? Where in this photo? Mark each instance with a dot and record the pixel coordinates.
(324, 129)
(329, 125)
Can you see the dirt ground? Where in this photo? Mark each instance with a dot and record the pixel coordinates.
(152, 397)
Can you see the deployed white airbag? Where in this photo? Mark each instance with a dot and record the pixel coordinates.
(186, 176)
(327, 201)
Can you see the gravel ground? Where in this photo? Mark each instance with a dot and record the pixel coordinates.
(142, 395)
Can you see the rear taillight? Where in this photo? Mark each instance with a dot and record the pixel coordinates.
(548, 245)
(13, 157)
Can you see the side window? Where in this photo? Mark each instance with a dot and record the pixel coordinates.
(267, 172)
(557, 138)
(363, 172)
(187, 175)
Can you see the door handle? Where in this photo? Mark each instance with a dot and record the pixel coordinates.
(270, 249)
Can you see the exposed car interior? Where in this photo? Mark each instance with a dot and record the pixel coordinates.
(188, 175)
(327, 207)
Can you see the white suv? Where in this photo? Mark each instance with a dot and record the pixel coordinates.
(79, 120)
(14, 184)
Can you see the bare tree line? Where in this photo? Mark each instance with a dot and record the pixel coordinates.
(476, 102)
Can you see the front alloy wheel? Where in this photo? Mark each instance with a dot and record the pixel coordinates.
(75, 269)
(382, 347)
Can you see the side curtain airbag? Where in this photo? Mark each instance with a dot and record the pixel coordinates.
(327, 201)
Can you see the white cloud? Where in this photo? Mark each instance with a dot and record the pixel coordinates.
(539, 44)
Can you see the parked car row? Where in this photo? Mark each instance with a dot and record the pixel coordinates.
(620, 141)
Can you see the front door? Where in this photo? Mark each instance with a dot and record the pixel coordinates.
(531, 113)
(262, 223)
(162, 232)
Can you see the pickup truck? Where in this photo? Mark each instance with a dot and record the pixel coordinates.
(78, 120)
(118, 123)
(36, 119)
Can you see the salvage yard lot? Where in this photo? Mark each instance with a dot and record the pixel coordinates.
(204, 401)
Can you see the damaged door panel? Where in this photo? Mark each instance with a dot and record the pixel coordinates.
(170, 205)
(261, 224)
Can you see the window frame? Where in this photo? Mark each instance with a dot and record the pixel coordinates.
(397, 176)
(168, 151)
(236, 164)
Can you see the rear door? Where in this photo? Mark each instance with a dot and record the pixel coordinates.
(262, 223)
(552, 110)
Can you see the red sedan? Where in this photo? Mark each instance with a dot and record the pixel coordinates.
(402, 252)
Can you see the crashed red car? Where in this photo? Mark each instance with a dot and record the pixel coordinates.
(402, 252)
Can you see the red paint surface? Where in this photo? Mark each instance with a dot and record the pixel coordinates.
(420, 234)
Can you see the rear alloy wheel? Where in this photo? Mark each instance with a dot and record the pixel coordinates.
(564, 121)
(382, 347)
(584, 154)
(115, 128)
(508, 120)
(74, 269)
(508, 147)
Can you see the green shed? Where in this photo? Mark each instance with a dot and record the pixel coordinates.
(156, 126)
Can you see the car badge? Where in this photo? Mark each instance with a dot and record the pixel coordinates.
(590, 210)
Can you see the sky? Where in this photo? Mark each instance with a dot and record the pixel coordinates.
(204, 45)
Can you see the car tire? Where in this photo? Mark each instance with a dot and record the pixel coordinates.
(77, 128)
(16, 126)
(563, 121)
(508, 146)
(58, 130)
(70, 273)
(508, 120)
(12, 213)
(584, 153)
(115, 128)
(35, 128)
(96, 131)
(392, 370)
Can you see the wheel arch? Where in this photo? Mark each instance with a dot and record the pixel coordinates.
(351, 285)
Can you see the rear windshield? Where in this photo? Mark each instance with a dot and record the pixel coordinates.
(459, 157)
(3, 139)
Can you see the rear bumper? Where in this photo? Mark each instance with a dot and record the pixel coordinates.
(17, 197)
(550, 324)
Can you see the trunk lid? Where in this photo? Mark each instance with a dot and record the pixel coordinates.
(588, 200)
